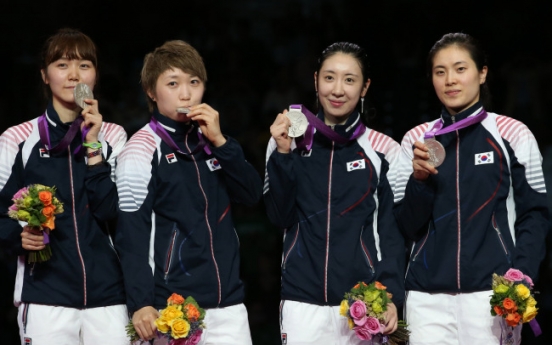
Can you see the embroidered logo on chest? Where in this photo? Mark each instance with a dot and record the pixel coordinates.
(484, 158)
(28, 341)
(356, 165)
(43, 153)
(213, 164)
(306, 153)
(171, 158)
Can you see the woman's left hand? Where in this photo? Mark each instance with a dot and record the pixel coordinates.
(208, 120)
(391, 319)
(92, 119)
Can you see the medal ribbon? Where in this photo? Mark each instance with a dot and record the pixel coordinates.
(67, 139)
(162, 133)
(468, 121)
(314, 122)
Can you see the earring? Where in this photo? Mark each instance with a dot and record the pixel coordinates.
(361, 105)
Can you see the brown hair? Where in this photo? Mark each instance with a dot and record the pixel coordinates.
(171, 55)
(69, 43)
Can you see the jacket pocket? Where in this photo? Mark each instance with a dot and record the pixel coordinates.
(415, 256)
(500, 238)
(170, 253)
(366, 252)
(291, 247)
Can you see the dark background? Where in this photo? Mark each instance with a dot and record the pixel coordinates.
(260, 57)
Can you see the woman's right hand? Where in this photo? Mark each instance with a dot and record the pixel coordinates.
(32, 238)
(279, 131)
(144, 322)
(420, 165)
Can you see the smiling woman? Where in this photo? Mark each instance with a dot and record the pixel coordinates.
(482, 212)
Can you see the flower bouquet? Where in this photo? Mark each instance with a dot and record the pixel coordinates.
(513, 301)
(181, 322)
(364, 308)
(37, 205)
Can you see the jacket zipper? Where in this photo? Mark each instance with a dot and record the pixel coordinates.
(328, 225)
(458, 214)
(206, 215)
(500, 238)
(75, 224)
(168, 259)
(366, 252)
(422, 246)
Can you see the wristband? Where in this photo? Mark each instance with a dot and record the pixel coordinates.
(95, 146)
(94, 153)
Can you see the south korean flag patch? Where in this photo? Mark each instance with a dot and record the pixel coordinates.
(484, 158)
(213, 164)
(171, 158)
(356, 165)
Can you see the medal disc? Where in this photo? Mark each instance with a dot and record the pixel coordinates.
(299, 123)
(436, 152)
(81, 92)
(183, 110)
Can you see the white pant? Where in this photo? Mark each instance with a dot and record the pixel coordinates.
(53, 325)
(455, 319)
(223, 326)
(309, 324)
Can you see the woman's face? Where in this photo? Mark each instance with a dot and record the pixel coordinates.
(340, 85)
(456, 78)
(63, 75)
(177, 89)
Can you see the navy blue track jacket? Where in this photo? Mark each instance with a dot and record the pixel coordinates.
(335, 204)
(84, 270)
(175, 231)
(483, 213)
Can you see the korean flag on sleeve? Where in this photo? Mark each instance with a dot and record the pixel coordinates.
(356, 165)
(484, 158)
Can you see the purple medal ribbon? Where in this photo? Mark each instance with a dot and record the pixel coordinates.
(468, 121)
(305, 142)
(535, 327)
(67, 139)
(162, 133)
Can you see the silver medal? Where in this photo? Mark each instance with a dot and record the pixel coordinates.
(82, 92)
(436, 152)
(299, 123)
(183, 110)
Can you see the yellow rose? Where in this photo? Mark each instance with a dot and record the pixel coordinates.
(523, 291)
(531, 302)
(377, 308)
(162, 325)
(171, 313)
(529, 313)
(371, 296)
(180, 328)
(501, 288)
(27, 201)
(351, 323)
(343, 308)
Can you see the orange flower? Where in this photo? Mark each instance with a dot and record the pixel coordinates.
(191, 312)
(48, 211)
(49, 223)
(45, 197)
(358, 285)
(513, 319)
(175, 299)
(509, 305)
(379, 285)
(498, 310)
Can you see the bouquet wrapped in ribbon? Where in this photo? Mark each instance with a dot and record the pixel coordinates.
(37, 206)
(513, 301)
(364, 307)
(181, 322)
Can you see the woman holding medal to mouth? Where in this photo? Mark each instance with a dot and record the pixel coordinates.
(471, 196)
(329, 190)
(76, 296)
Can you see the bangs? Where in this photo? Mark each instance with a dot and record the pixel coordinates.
(71, 45)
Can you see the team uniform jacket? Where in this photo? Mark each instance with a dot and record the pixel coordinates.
(335, 204)
(84, 269)
(483, 213)
(175, 230)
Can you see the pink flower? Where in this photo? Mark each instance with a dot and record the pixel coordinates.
(20, 193)
(13, 208)
(514, 275)
(196, 337)
(373, 325)
(362, 333)
(358, 310)
(529, 281)
(179, 341)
